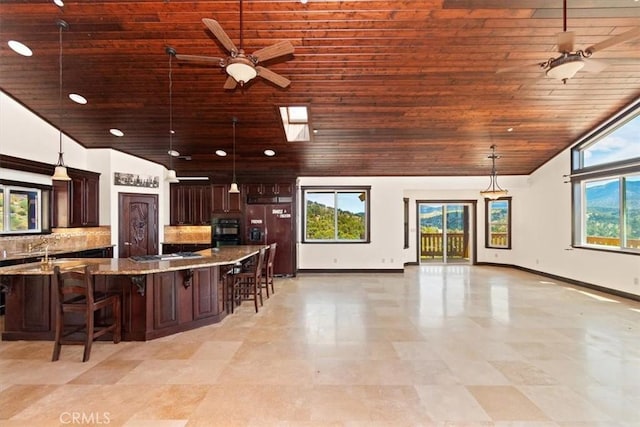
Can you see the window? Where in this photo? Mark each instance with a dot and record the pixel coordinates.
(23, 209)
(606, 185)
(336, 215)
(295, 120)
(498, 223)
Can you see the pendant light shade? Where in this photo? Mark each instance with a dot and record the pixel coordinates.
(171, 173)
(493, 191)
(60, 171)
(234, 185)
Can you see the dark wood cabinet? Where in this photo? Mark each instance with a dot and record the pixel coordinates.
(190, 204)
(223, 202)
(279, 192)
(205, 293)
(76, 203)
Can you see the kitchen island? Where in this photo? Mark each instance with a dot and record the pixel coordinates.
(159, 297)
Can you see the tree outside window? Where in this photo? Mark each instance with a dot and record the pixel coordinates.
(336, 215)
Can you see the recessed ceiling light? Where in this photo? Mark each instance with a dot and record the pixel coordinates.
(116, 132)
(79, 99)
(510, 130)
(58, 3)
(269, 153)
(173, 153)
(221, 153)
(315, 131)
(19, 48)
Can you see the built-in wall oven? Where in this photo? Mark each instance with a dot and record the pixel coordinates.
(225, 232)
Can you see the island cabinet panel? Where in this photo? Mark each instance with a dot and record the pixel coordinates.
(35, 319)
(165, 300)
(205, 293)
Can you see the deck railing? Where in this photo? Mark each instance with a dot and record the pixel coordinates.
(612, 241)
(431, 245)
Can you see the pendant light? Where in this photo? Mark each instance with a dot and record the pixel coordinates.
(234, 184)
(171, 173)
(494, 191)
(60, 171)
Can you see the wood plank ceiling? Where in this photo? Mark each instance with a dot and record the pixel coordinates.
(394, 88)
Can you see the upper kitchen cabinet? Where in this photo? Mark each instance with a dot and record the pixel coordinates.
(76, 202)
(224, 202)
(269, 193)
(190, 204)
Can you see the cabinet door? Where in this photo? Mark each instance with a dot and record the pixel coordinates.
(283, 189)
(76, 203)
(201, 203)
(205, 292)
(177, 205)
(91, 217)
(253, 189)
(165, 300)
(223, 202)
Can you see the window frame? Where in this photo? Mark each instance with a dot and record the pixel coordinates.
(488, 223)
(42, 208)
(581, 176)
(336, 189)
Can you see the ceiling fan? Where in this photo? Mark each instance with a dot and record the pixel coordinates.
(570, 62)
(242, 67)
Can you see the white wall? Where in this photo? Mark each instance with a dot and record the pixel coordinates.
(545, 235)
(25, 135)
(386, 249)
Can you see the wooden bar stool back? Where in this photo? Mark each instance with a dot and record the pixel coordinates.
(248, 283)
(76, 295)
(268, 268)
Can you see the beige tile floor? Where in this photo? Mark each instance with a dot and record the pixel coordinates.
(435, 346)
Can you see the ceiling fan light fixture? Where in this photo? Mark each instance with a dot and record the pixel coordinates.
(241, 70)
(565, 67)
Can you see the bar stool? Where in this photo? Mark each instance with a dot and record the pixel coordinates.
(267, 270)
(247, 286)
(76, 295)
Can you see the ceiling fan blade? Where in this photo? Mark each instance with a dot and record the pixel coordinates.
(521, 67)
(230, 83)
(620, 38)
(565, 41)
(274, 78)
(220, 34)
(593, 65)
(273, 51)
(198, 58)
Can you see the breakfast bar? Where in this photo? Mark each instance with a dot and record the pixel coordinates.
(160, 295)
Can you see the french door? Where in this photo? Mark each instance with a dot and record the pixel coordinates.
(444, 232)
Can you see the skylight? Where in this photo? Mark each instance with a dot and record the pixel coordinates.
(295, 121)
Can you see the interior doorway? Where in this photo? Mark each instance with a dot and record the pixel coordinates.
(137, 224)
(445, 232)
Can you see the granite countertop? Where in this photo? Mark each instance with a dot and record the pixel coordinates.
(125, 266)
(52, 252)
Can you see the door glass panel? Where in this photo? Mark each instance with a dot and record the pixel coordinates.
(444, 232)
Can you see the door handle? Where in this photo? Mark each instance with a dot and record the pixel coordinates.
(127, 243)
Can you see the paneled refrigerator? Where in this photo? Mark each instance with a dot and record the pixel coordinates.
(269, 223)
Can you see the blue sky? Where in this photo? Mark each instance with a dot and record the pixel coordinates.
(621, 144)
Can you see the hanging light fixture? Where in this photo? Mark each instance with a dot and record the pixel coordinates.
(171, 173)
(493, 191)
(234, 183)
(60, 171)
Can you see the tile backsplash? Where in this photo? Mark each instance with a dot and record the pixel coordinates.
(187, 234)
(71, 239)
